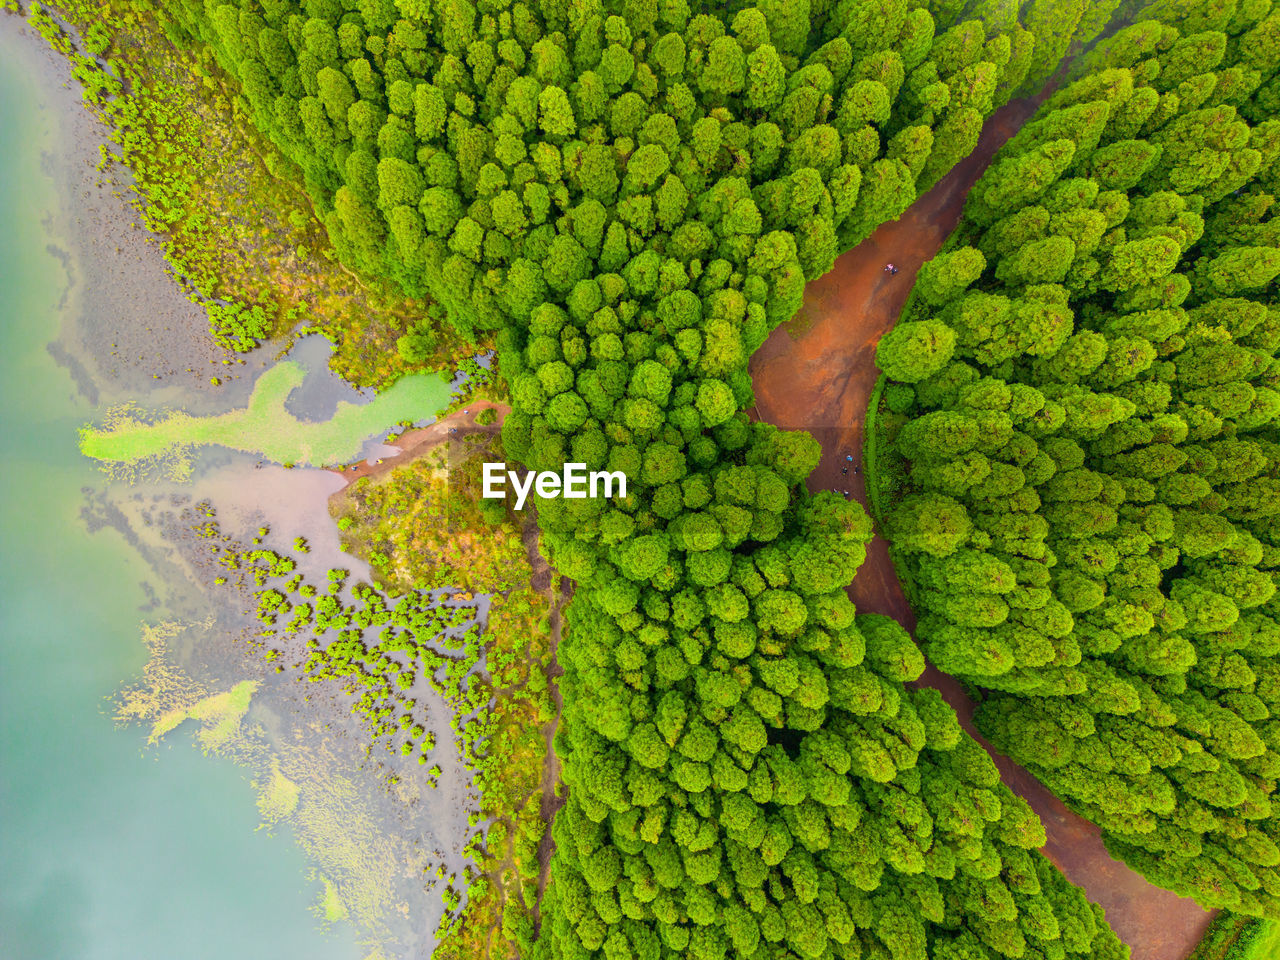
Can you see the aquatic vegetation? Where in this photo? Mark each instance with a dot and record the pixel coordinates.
(360, 858)
(378, 647)
(472, 629)
(166, 697)
(331, 907)
(220, 715)
(173, 463)
(277, 797)
(520, 664)
(235, 223)
(384, 649)
(230, 234)
(164, 689)
(266, 427)
(366, 867)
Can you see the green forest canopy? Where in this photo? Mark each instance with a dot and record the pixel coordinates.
(633, 194)
(1092, 530)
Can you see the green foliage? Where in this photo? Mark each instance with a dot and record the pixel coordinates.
(1233, 936)
(265, 426)
(238, 326)
(915, 349)
(634, 195)
(1091, 525)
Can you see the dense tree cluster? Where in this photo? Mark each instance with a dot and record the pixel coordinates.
(1093, 532)
(497, 154)
(780, 793)
(634, 193)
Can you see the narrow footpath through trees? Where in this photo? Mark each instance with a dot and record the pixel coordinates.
(816, 373)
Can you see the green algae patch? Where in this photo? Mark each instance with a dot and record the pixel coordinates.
(265, 427)
(220, 715)
(277, 796)
(331, 906)
(360, 857)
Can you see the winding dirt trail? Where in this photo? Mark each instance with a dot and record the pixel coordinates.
(816, 373)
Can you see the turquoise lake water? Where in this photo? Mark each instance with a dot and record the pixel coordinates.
(110, 849)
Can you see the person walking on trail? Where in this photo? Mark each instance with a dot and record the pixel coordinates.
(891, 268)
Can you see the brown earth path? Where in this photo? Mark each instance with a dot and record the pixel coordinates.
(816, 373)
(416, 442)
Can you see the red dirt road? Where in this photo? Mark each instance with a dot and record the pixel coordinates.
(816, 373)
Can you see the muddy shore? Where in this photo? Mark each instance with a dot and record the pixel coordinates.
(419, 441)
(130, 327)
(125, 330)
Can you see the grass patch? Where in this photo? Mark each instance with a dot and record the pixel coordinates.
(884, 469)
(1233, 936)
(424, 525)
(871, 448)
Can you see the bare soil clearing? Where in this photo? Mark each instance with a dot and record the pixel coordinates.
(816, 373)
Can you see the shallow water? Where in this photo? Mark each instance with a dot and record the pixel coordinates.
(113, 848)
(109, 851)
